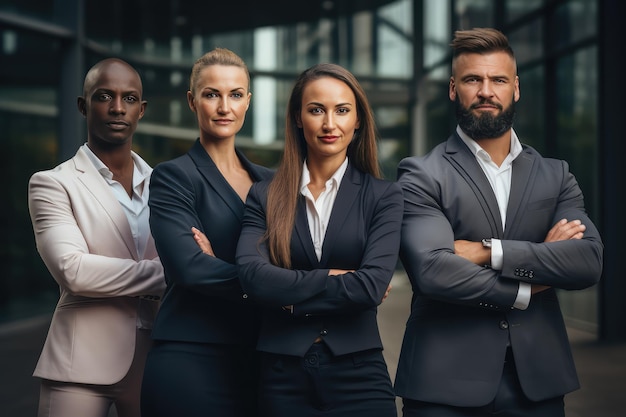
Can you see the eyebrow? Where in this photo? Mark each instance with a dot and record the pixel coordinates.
(111, 91)
(480, 76)
(217, 89)
(315, 103)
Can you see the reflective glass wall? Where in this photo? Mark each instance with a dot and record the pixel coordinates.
(399, 51)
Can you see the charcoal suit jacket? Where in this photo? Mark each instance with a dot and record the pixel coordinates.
(462, 319)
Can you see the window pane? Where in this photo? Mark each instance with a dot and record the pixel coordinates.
(31, 8)
(527, 42)
(395, 49)
(517, 8)
(574, 21)
(474, 13)
(28, 144)
(28, 116)
(530, 123)
(436, 32)
(577, 143)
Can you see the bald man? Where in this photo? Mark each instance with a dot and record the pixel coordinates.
(90, 219)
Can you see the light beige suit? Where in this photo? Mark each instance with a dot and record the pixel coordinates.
(85, 240)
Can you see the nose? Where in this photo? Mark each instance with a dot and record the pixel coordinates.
(329, 122)
(223, 106)
(117, 105)
(486, 89)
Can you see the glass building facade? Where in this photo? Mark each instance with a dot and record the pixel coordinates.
(398, 49)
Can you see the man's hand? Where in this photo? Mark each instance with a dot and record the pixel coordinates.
(535, 288)
(564, 230)
(474, 252)
(202, 241)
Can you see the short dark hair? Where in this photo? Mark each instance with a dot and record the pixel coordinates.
(480, 41)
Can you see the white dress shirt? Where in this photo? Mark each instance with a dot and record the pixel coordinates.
(500, 179)
(318, 210)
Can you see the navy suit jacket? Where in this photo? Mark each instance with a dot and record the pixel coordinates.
(363, 235)
(461, 314)
(204, 301)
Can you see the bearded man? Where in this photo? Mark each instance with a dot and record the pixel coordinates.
(491, 229)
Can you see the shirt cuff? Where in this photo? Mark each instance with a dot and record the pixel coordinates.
(496, 254)
(523, 296)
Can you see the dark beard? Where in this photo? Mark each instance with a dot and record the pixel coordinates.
(484, 126)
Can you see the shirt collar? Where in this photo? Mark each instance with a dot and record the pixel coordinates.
(516, 146)
(333, 181)
(141, 170)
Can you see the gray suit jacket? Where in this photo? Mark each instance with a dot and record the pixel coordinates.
(84, 239)
(461, 315)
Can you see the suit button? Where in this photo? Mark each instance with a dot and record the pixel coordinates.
(504, 325)
(324, 332)
(245, 296)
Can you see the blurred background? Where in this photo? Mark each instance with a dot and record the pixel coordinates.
(567, 53)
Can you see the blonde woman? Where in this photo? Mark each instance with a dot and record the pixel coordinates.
(203, 362)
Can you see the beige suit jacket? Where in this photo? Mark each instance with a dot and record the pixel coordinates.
(84, 238)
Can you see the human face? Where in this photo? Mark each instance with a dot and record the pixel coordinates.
(485, 90)
(328, 118)
(220, 101)
(112, 104)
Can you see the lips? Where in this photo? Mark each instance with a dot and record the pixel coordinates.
(329, 139)
(118, 124)
(487, 106)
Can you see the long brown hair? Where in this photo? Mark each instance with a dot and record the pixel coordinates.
(284, 190)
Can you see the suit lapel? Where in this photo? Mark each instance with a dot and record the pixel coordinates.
(465, 163)
(521, 176)
(215, 179)
(89, 176)
(303, 233)
(346, 198)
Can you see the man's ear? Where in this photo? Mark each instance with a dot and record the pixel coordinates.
(452, 89)
(144, 104)
(81, 103)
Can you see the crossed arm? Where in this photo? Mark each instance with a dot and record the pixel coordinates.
(476, 253)
(205, 245)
